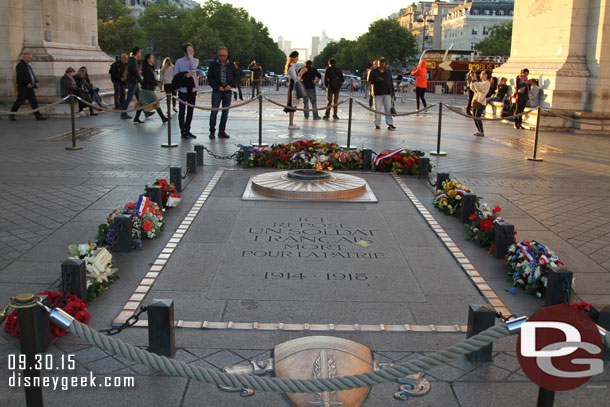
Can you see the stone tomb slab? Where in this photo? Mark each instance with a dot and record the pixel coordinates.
(313, 255)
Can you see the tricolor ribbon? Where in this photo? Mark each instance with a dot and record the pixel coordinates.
(296, 155)
(143, 203)
(382, 157)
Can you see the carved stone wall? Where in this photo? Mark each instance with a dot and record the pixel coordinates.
(58, 34)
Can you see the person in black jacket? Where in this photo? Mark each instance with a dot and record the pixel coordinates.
(522, 91)
(26, 83)
(309, 76)
(257, 73)
(149, 83)
(132, 79)
(222, 77)
(67, 85)
(383, 90)
(333, 79)
(240, 74)
(116, 75)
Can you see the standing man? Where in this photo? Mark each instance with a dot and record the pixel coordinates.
(133, 80)
(187, 66)
(257, 74)
(116, 75)
(522, 89)
(240, 74)
(383, 89)
(333, 79)
(309, 76)
(222, 77)
(26, 83)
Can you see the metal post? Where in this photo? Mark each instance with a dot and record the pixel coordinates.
(191, 162)
(169, 123)
(367, 157)
(260, 123)
(122, 233)
(438, 137)
(480, 318)
(74, 278)
(155, 194)
(73, 120)
(468, 207)
(534, 158)
(424, 168)
(43, 326)
(440, 178)
(175, 177)
(29, 347)
(349, 125)
(504, 237)
(161, 334)
(199, 151)
(277, 83)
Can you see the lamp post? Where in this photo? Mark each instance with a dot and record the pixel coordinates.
(168, 15)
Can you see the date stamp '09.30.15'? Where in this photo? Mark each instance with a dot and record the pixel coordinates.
(53, 366)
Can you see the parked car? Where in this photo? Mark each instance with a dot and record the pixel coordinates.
(351, 82)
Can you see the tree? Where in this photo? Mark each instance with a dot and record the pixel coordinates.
(111, 9)
(120, 35)
(388, 38)
(157, 30)
(498, 40)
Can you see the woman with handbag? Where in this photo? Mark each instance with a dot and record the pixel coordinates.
(147, 95)
(479, 98)
(295, 92)
(166, 75)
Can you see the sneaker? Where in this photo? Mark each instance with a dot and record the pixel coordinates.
(377, 127)
(293, 127)
(222, 134)
(391, 127)
(480, 135)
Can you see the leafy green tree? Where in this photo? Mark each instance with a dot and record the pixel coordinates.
(388, 38)
(498, 41)
(330, 50)
(120, 35)
(163, 34)
(111, 9)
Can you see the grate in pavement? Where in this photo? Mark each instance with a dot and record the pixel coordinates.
(527, 145)
(84, 134)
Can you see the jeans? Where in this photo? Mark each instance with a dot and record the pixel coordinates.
(479, 123)
(133, 89)
(256, 84)
(119, 94)
(185, 124)
(217, 98)
(386, 102)
(332, 98)
(310, 95)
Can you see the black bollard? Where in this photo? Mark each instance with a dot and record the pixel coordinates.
(468, 207)
(28, 337)
(74, 278)
(191, 162)
(199, 151)
(480, 317)
(122, 233)
(367, 158)
(42, 325)
(440, 178)
(155, 194)
(559, 287)
(175, 177)
(504, 237)
(161, 335)
(424, 168)
(600, 314)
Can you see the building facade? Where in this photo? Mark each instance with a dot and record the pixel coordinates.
(137, 7)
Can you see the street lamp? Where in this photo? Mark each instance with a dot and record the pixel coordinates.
(168, 15)
(422, 18)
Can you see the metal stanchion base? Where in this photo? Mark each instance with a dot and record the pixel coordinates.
(349, 148)
(169, 145)
(75, 148)
(259, 145)
(534, 159)
(439, 153)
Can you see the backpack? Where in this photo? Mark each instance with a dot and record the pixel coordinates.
(335, 81)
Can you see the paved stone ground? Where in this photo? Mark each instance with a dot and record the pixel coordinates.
(55, 197)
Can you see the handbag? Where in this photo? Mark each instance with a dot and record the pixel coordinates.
(393, 109)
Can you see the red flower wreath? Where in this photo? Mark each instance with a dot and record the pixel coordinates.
(73, 306)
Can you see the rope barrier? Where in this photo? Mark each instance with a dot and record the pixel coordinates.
(395, 114)
(38, 109)
(458, 110)
(107, 109)
(278, 385)
(573, 119)
(305, 110)
(215, 108)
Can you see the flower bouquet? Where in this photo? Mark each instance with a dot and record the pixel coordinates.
(71, 304)
(481, 228)
(100, 268)
(169, 194)
(449, 198)
(399, 161)
(530, 263)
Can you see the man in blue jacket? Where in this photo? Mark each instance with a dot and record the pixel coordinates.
(26, 83)
(222, 77)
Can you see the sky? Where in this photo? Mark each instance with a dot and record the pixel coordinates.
(298, 21)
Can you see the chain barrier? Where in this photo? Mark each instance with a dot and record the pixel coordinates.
(38, 109)
(107, 109)
(221, 157)
(131, 321)
(458, 110)
(425, 109)
(214, 109)
(304, 110)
